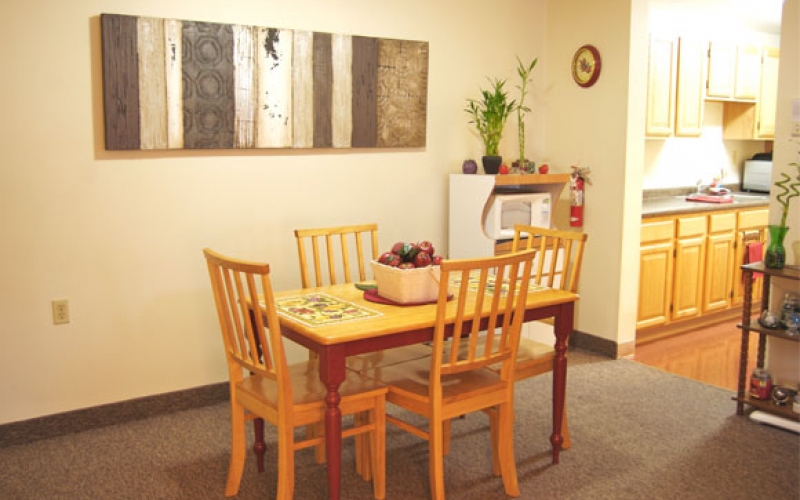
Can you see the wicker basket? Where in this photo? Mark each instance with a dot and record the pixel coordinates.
(407, 286)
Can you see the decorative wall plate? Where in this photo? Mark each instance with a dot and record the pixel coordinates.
(586, 66)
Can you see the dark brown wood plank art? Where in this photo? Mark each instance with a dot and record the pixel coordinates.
(120, 81)
(365, 77)
(323, 86)
(172, 84)
(208, 105)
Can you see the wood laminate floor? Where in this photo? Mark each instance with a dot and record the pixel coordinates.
(709, 354)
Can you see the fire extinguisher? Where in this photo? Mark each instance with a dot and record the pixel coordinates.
(580, 177)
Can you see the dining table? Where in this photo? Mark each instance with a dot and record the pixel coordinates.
(343, 320)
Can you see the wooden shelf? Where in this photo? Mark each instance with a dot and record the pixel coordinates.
(530, 179)
(748, 325)
(784, 411)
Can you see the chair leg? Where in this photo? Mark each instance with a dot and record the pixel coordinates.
(362, 443)
(567, 443)
(446, 425)
(315, 430)
(238, 450)
(259, 447)
(494, 433)
(508, 464)
(285, 463)
(436, 458)
(377, 449)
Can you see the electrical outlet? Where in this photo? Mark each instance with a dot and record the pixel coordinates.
(60, 312)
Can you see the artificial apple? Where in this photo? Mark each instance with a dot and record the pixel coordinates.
(425, 247)
(422, 259)
(544, 168)
(503, 169)
(437, 260)
(390, 259)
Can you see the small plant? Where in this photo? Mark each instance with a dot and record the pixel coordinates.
(524, 73)
(490, 113)
(788, 191)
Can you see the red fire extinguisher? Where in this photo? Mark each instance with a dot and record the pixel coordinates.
(580, 177)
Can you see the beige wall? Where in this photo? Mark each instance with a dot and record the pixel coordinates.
(120, 234)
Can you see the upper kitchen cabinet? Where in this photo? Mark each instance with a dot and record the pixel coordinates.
(661, 75)
(734, 71)
(755, 120)
(676, 83)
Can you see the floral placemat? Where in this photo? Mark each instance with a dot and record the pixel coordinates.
(319, 309)
(473, 282)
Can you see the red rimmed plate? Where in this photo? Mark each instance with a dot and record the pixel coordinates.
(372, 296)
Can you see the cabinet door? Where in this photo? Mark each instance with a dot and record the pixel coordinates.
(661, 87)
(655, 284)
(721, 70)
(750, 228)
(748, 72)
(655, 272)
(768, 96)
(719, 262)
(687, 292)
(691, 85)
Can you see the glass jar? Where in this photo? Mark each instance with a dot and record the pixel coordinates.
(790, 311)
(760, 384)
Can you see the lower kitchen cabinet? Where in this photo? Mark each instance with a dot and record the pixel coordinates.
(719, 261)
(689, 265)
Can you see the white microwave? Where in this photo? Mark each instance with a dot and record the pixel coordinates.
(504, 211)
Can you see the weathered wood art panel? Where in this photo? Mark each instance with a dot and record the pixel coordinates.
(173, 84)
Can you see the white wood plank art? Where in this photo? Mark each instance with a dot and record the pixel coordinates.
(173, 48)
(273, 113)
(342, 115)
(152, 83)
(244, 83)
(303, 89)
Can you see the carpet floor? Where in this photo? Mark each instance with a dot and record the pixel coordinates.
(637, 432)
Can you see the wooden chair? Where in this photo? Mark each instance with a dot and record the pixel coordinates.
(263, 385)
(456, 378)
(561, 273)
(342, 259)
(342, 254)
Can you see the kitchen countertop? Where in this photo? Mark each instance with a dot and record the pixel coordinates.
(658, 202)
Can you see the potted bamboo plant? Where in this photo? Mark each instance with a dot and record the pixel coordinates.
(489, 114)
(522, 164)
(789, 186)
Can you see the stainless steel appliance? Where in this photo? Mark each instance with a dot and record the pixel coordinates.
(757, 175)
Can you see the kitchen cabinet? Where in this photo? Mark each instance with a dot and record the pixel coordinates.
(690, 245)
(751, 228)
(734, 71)
(661, 75)
(691, 81)
(751, 325)
(744, 121)
(655, 272)
(676, 86)
(689, 265)
(720, 253)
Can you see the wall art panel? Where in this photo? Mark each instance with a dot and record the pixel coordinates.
(176, 84)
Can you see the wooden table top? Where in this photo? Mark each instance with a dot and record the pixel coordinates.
(388, 318)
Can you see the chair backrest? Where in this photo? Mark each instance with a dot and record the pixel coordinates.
(558, 255)
(252, 342)
(490, 295)
(337, 253)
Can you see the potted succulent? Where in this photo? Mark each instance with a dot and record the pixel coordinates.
(489, 114)
(775, 256)
(524, 72)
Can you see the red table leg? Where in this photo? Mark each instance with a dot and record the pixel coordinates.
(562, 329)
(331, 373)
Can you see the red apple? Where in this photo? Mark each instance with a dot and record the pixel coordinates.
(425, 247)
(503, 169)
(544, 168)
(422, 259)
(437, 260)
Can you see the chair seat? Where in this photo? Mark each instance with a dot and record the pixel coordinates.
(413, 379)
(307, 389)
(533, 358)
(362, 363)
